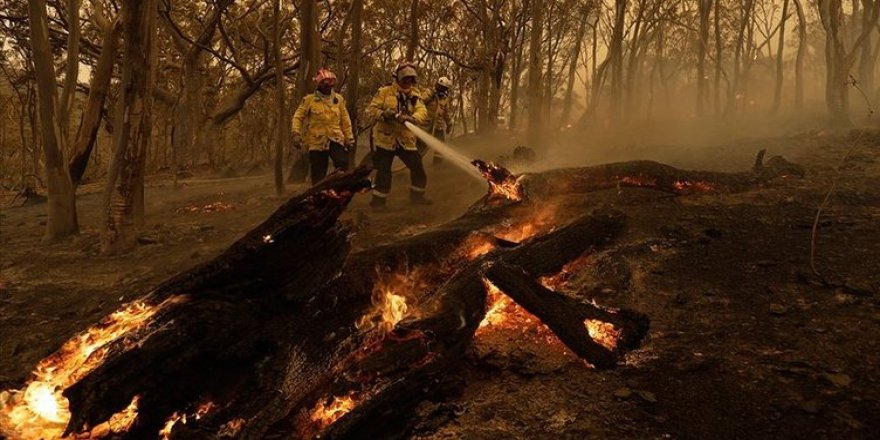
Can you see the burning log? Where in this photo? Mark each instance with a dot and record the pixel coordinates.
(657, 176)
(285, 332)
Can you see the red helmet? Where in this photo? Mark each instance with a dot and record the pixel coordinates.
(324, 74)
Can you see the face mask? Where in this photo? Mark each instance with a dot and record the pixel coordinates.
(325, 89)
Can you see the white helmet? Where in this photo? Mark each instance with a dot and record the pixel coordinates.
(445, 82)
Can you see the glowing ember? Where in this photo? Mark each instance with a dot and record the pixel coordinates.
(476, 246)
(501, 181)
(558, 281)
(389, 305)
(604, 333)
(325, 414)
(638, 181)
(685, 185)
(231, 428)
(39, 411)
(208, 208)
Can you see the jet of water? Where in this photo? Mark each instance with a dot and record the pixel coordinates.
(449, 154)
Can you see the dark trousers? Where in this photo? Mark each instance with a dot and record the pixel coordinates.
(382, 159)
(318, 160)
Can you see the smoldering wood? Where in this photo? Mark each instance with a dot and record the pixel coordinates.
(657, 176)
(267, 328)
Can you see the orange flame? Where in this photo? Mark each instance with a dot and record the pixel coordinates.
(325, 414)
(604, 333)
(389, 304)
(201, 411)
(39, 410)
(501, 181)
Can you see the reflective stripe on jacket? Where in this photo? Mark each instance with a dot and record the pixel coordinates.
(388, 134)
(320, 119)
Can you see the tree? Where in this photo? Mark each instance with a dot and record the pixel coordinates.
(281, 110)
(61, 221)
(535, 62)
(840, 57)
(123, 194)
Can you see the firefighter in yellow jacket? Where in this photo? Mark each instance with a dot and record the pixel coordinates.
(439, 122)
(322, 125)
(392, 107)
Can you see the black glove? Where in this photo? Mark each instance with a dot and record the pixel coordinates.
(389, 114)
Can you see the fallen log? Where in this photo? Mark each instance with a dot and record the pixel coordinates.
(275, 332)
(656, 176)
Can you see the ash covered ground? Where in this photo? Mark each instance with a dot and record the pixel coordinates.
(745, 342)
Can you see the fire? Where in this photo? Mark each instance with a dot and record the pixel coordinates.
(558, 280)
(476, 246)
(540, 222)
(502, 182)
(201, 411)
(699, 185)
(325, 414)
(604, 333)
(208, 208)
(39, 410)
(638, 181)
(389, 304)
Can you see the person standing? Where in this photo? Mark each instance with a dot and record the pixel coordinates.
(439, 122)
(322, 125)
(391, 108)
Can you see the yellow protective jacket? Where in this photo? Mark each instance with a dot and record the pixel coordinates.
(320, 119)
(388, 134)
(438, 111)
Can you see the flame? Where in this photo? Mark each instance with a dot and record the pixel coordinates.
(502, 182)
(559, 280)
(231, 428)
(604, 333)
(539, 222)
(39, 410)
(504, 314)
(476, 246)
(201, 411)
(325, 414)
(389, 304)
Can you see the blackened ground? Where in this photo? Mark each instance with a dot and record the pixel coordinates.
(744, 342)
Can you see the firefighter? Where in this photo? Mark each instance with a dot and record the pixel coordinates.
(390, 109)
(439, 119)
(322, 125)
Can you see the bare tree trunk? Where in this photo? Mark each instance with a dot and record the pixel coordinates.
(98, 88)
(71, 74)
(705, 8)
(616, 58)
(535, 104)
(718, 54)
(413, 37)
(515, 76)
(354, 70)
(124, 191)
(572, 66)
(867, 57)
(777, 93)
(281, 126)
(61, 221)
(801, 53)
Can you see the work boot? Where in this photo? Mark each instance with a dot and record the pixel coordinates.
(378, 203)
(418, 198)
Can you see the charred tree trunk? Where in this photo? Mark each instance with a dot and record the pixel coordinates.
(777, 91)
(123, 196)
(91, 118)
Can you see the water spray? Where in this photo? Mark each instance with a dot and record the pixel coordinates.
(449, 154)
